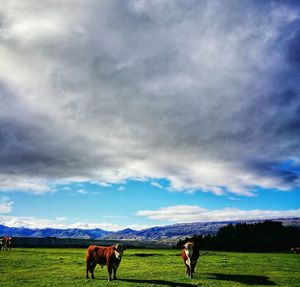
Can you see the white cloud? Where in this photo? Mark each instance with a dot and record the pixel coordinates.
(82, 191)
(32, 222)
(233, 198)
(6, 205)
(156, 184)
(60, 218)
(193, 213)
(24, 184)
(102, 183)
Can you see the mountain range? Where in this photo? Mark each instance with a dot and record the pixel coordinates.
(174, 231)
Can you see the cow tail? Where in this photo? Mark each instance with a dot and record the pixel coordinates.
(95, 252)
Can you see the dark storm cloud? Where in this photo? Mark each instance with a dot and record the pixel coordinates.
(205, 94)
(293, 49)
(32, 144)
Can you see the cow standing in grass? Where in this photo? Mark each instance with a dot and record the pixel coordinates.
(295, 250)
(110, 256)
(6, 243)
(190, 254)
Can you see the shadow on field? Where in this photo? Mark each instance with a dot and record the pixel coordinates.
(158, 282)
(145, 254)
(245, 279)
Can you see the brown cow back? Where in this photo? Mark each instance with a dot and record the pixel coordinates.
(110, 256)
(100, 254)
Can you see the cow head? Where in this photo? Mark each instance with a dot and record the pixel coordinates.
(188, 247)
(118, 248)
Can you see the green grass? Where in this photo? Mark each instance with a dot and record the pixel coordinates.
(66, 267)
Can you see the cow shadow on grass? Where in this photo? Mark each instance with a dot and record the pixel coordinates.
(158, 282)
(145, 254)
(244, 279)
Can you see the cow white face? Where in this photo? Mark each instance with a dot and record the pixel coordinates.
(189, 249)
(118, 251)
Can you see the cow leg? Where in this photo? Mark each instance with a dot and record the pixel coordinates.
(92, 266)
(87, 269)
(186, 270)
(109, 270)
(115, 273)
(192, 270)
(191, 273)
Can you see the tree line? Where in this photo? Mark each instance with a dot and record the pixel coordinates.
(267, 236)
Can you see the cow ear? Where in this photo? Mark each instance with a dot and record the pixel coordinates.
(183, 247)
(114, 248)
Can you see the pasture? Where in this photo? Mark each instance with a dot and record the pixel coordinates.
(164, 268)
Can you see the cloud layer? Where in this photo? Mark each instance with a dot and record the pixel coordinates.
(203, 93)
(194, 213)
(6, 205)
(61, 223)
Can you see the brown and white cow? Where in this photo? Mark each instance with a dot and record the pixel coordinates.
(110, 256)
(6, 243)
(190, 254)
(295, 250)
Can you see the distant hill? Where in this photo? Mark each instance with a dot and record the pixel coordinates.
(169, 232)
(52, 232)
(180, 230)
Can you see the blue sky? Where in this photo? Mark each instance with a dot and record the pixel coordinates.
(117, 206)
(138, 113)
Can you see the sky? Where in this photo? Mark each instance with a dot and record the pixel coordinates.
(129, 114)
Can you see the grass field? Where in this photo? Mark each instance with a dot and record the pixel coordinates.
(66, 267)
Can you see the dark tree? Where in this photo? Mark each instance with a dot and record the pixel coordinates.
(268, 236)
